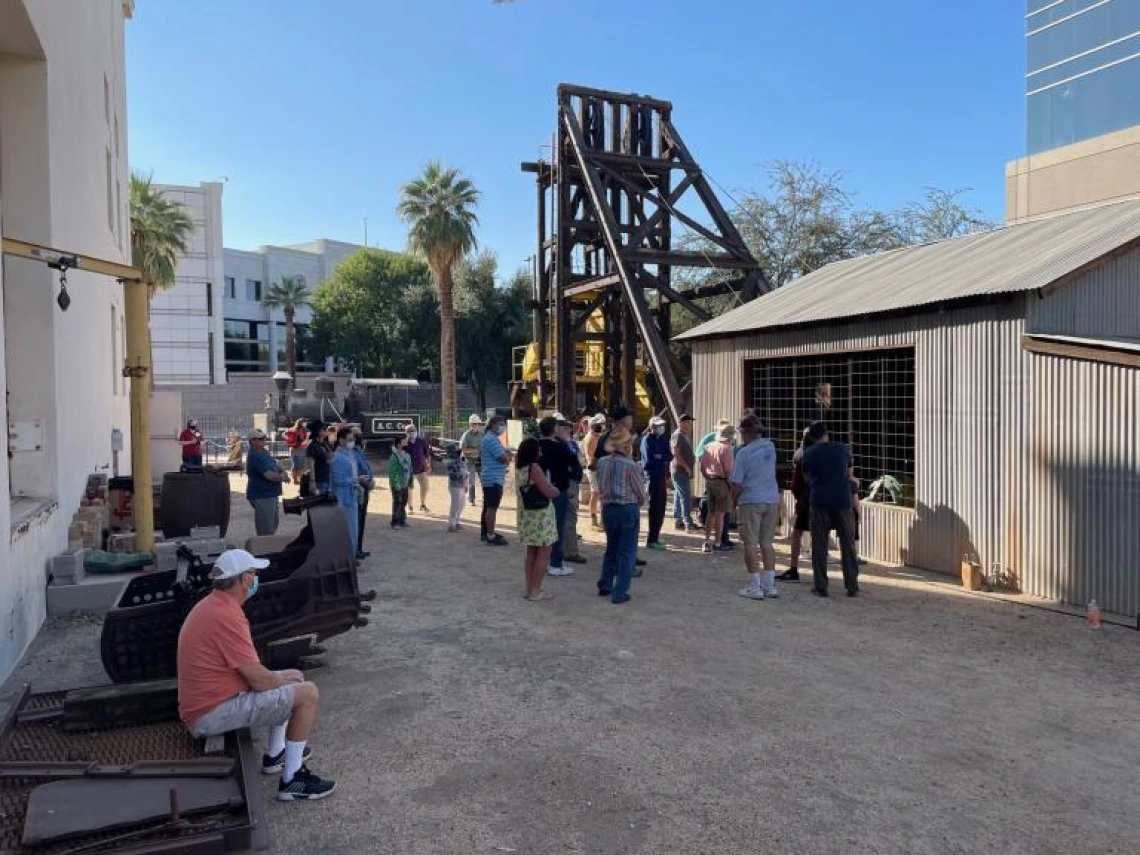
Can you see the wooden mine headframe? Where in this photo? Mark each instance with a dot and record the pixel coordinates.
(618, 180)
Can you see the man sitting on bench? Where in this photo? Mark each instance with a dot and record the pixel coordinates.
(223, 686)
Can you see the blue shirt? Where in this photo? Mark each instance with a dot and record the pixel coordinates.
(362, 464)
(656, 455)
(490, 453)
(826, 467)
(257, 463)
(754, 469)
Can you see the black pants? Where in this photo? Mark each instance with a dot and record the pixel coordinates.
(822, 521)
(658, 493)
(362, 515)
(399, 506)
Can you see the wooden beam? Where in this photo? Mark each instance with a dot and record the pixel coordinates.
(636, 238)
(568, 90)
(588, 310)
(73, 260)
(687, 258)
(1089, 353)
(675, 296)
(680, 215)
(588, 287)
(635, 297)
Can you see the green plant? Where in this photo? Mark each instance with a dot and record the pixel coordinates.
(288, 295)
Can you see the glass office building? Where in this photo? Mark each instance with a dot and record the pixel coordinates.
(1083, 74)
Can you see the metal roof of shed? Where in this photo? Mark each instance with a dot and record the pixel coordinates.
(1003, 261)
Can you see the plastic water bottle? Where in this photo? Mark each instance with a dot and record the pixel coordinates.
(1093, 615)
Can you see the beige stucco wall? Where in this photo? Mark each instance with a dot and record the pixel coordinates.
(1082, 175)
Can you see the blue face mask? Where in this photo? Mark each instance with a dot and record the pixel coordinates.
(253, 588)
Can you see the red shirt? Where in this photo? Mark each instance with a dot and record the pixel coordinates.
(188, 435)
(294, 438)
(214, 642)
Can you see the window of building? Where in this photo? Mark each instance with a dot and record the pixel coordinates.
(253, 290)
(246, 345)
(231, 288)
(866, 399)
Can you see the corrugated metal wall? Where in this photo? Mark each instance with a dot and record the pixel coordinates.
(1027, 461)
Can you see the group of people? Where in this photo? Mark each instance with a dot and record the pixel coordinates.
(223, 686)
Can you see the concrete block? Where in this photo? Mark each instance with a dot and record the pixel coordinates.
(205, 532)
(93, 595)
(206, 548)
(67, 569)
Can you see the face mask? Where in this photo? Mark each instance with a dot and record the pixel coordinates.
(412, 434)
(253, 588)
(350, 444)
(659, 430)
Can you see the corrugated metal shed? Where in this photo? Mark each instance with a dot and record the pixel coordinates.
(1003, 261)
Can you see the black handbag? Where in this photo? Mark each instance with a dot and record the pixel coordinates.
(532, 497)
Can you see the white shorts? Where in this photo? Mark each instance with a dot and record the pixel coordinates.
(592, 480)
(247, 709)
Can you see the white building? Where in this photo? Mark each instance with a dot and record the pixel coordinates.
(63, 183)
(186, 322)
(254, 336)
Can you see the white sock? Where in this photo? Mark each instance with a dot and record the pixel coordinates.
(754, 581)
(294, 755)
(276, 740)
(769, 580)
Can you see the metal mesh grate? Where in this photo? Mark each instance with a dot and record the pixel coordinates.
(39, 741)
(866, 399)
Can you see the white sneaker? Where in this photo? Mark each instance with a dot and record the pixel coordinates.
(559, 571)
(706, 547)
(751, 593)
(772, 594)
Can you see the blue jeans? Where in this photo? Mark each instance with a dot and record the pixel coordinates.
(352, 521)
(682, 497)
(622, 524)
(561, 503)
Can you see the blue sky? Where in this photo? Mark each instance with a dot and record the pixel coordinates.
(317, 112)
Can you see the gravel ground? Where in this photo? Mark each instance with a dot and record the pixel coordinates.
(914, 719)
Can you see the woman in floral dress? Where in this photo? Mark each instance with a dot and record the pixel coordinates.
(537, 528)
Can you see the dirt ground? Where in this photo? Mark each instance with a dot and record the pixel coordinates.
(915, 719)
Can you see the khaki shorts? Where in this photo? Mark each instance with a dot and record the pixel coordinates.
(248, 709)
(758, 523)
(719, 497)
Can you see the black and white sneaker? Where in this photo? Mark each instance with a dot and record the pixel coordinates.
(276, 763)
(305, 785)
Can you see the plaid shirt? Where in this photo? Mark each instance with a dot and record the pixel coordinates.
(620, 481)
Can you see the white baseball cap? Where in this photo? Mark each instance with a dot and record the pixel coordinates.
(598, 419)
(256, 433)
(233, 562)
(474, 419)
(656, 421)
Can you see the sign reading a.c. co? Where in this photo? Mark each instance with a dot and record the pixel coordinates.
(393, 424)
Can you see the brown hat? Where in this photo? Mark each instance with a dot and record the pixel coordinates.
(619, 439)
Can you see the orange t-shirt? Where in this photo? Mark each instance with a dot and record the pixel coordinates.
(214, 642)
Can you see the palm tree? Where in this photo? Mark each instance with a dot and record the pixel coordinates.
(160, 232)
(288, 295)
(439, 210)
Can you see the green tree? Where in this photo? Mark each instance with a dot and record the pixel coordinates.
(360, 313)
(160, 232)
(439, 208)
(491, 321)
(288, 295)
(940, 216)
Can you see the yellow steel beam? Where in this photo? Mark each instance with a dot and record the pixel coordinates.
(136, 310)
(75, 260)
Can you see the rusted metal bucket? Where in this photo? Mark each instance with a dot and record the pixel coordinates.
(309, 590)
